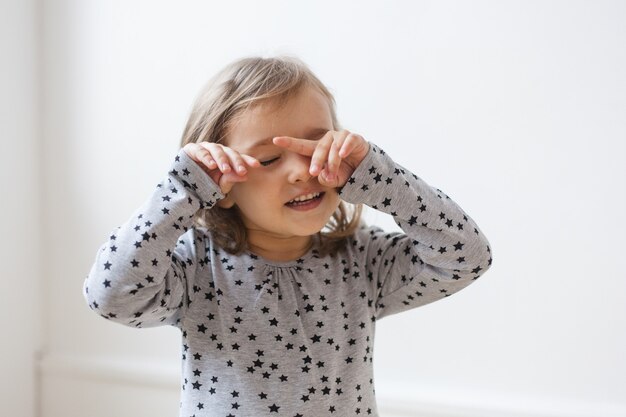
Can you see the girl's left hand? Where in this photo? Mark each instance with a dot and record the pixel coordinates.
(333, 158)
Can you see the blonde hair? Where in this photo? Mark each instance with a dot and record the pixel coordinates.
(241, 85)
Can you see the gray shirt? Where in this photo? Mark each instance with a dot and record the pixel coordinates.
(265, 338)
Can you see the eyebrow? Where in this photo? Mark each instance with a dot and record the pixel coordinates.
(310, 134)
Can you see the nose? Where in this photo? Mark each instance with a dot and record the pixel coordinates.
(298, 168)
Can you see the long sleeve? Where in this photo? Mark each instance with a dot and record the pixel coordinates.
(143, 276)
(441, 251)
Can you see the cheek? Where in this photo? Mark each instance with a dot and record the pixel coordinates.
(258, 176)
(257, 190)
(267, 181)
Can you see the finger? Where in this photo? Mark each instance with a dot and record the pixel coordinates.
(350, 143)
(327, 180)
(251, 161)
(227, 181)
(334, 160)
(200, 155)
(204, 153)
(304, 147)
(320, 154)
(236, 161)
(218, 154)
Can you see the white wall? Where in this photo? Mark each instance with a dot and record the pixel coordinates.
(20, 302)
(515, 109)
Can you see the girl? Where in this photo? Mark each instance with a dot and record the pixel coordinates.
(250, 247)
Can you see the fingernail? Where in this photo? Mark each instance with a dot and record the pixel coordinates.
(241, 169)
(225, 167)
(330, 176)
(314, 168)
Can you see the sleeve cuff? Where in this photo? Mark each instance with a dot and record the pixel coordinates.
(352, 191)
(195, 179)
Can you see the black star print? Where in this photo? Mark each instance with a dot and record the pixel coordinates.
(273, 408)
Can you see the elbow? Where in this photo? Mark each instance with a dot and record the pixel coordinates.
(482, 259)
(476, 256)
(483, 265)
(104, 299)
(95, 300)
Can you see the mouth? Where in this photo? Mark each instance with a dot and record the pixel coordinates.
(306, 202)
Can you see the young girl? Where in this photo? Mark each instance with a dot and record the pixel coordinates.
(250, 247)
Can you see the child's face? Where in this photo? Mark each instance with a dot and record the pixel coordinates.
(283, 175)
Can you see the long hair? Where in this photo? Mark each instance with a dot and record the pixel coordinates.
(242, 84)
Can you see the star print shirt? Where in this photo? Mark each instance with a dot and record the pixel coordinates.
(265, 338)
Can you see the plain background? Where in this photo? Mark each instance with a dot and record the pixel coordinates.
(515, 109)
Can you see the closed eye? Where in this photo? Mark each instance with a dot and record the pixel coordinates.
(269, 161)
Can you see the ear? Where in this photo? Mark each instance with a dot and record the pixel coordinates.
(226, 202)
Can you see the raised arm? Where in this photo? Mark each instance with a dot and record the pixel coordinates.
(441, 251)
(144, 275)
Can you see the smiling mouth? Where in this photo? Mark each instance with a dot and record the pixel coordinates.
(305, 199)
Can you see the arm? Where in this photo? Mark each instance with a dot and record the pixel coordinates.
(144, 275)
(441, 251)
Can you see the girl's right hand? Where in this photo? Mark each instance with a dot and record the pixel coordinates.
(224, 165)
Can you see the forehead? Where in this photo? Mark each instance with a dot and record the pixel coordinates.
(304, 114)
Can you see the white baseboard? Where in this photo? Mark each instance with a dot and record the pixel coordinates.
(410, 400)
(394, 399)
(115, 370)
